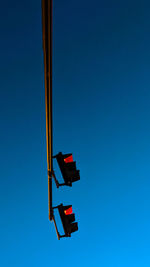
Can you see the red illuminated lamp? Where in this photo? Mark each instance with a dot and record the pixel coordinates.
(68, 159)
(68, 211)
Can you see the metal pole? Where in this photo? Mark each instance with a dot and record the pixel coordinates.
(47, 48)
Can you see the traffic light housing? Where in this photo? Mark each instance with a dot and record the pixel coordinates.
(68, 168)
(67, 218)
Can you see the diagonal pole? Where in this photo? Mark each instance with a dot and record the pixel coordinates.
(47, 49)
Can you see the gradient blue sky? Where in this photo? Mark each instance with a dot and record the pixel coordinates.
(101, 89)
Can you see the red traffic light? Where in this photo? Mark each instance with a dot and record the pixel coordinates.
(68, 219)
(68, 168)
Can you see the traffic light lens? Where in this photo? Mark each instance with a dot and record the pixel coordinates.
(68, 159)
(68, 211)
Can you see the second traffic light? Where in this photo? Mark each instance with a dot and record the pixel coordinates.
(68, 168)
(67, 218)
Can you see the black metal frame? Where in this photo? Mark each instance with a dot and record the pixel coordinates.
(57, 232)
(56, 181)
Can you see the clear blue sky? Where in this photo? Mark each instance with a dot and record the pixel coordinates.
(101, 89)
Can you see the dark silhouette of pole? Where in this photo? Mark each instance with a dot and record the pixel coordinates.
(47, 49)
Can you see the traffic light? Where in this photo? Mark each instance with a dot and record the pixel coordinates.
(68, 168)
(67, 218)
